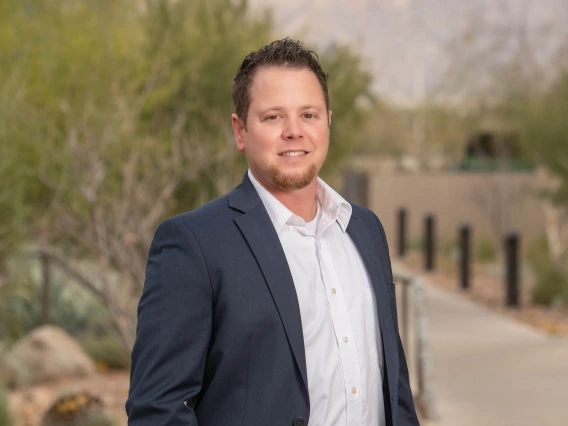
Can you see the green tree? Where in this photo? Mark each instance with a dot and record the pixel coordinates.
(114, 117)
(543, 126)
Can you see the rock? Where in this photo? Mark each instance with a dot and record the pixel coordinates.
(47, 353)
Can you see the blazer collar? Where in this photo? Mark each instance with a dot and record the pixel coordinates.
(244, 197)
(364, 239)
(259, 232)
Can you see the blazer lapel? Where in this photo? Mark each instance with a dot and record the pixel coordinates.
(362, 237)
(258, 230)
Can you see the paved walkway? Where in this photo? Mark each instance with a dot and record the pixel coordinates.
(490, 370)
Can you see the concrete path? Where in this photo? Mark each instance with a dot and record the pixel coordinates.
(490, 370)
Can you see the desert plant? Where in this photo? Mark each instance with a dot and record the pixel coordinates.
(551, 286)
(21, 301)
(451, 249)
(416, 243)
(4, 415)
(106, 352)
(485, 250)
(78, 409)
(551, 278)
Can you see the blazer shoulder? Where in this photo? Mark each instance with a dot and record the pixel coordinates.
(203, 216)
(365, 214)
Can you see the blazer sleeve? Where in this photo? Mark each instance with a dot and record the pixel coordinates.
(406, 410)
(173, 331)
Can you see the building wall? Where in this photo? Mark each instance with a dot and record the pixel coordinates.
(492, 203)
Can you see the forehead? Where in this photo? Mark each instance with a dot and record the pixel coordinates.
(284, 84)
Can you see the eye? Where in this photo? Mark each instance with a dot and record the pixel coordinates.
(271, 117)
(309, 115)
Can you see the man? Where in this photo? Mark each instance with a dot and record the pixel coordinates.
(274, 304)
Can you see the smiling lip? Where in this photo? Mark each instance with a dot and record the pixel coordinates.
(293, 153)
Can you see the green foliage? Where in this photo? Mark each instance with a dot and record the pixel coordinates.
(106, 352)
(349, 92)
(90, 87)
(450, 248)
(4, 415)
(544, 131)
(114, 117)
(416, 243)
(551, 286)
(485, 250)
(21, 302)
(551, 279)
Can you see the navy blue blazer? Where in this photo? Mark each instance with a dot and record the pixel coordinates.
(219, 339)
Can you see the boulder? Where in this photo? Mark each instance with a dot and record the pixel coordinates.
(47, 353)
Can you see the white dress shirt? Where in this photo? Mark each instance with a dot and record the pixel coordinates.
(342, 337)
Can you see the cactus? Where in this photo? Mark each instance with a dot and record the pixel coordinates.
(78, 409)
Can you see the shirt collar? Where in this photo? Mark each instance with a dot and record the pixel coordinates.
(332, 204)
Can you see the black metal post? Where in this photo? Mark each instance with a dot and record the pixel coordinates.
(356, 188)
(429, 243)
(512, 276)
(465, 256)
(401, 231)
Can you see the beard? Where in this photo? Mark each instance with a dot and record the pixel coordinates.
(291, 181)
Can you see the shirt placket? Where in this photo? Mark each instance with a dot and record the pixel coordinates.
(343, 333)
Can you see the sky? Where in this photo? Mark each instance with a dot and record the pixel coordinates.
(411, 44)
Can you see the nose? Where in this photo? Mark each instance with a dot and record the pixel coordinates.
(292, 130)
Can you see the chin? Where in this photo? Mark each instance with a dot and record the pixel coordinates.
(293, 180)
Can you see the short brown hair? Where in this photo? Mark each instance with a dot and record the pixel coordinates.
(280, 53)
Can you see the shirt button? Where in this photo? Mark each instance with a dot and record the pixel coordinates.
(290, 228)
(333, 290)
(345, 339)
(322, 245)
(354, 390)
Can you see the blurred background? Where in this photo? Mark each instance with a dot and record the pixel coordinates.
(450, 123)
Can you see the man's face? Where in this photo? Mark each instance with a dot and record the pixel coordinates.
(287, 135)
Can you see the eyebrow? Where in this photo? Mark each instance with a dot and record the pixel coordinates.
(279, 108)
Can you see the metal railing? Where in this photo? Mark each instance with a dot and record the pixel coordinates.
(424, 397)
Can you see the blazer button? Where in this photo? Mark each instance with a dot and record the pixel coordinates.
(298, 421)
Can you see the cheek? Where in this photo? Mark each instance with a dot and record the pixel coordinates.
(322, 138)
(261, 140)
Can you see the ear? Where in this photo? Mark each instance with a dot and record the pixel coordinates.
(238, 132)
(329, 112)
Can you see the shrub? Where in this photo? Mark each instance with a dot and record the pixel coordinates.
(106, 352)
(551, 279)
(79, 409)
(4, 415)
(551, 284)
(416, 243)
(485, 250)
(451, 249)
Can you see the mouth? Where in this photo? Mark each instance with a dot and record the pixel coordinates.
(292, 153)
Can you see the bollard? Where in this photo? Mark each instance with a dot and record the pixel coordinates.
(356, 188)
(512, 266)
(429, 243)
(465, 256)
(401, 232)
